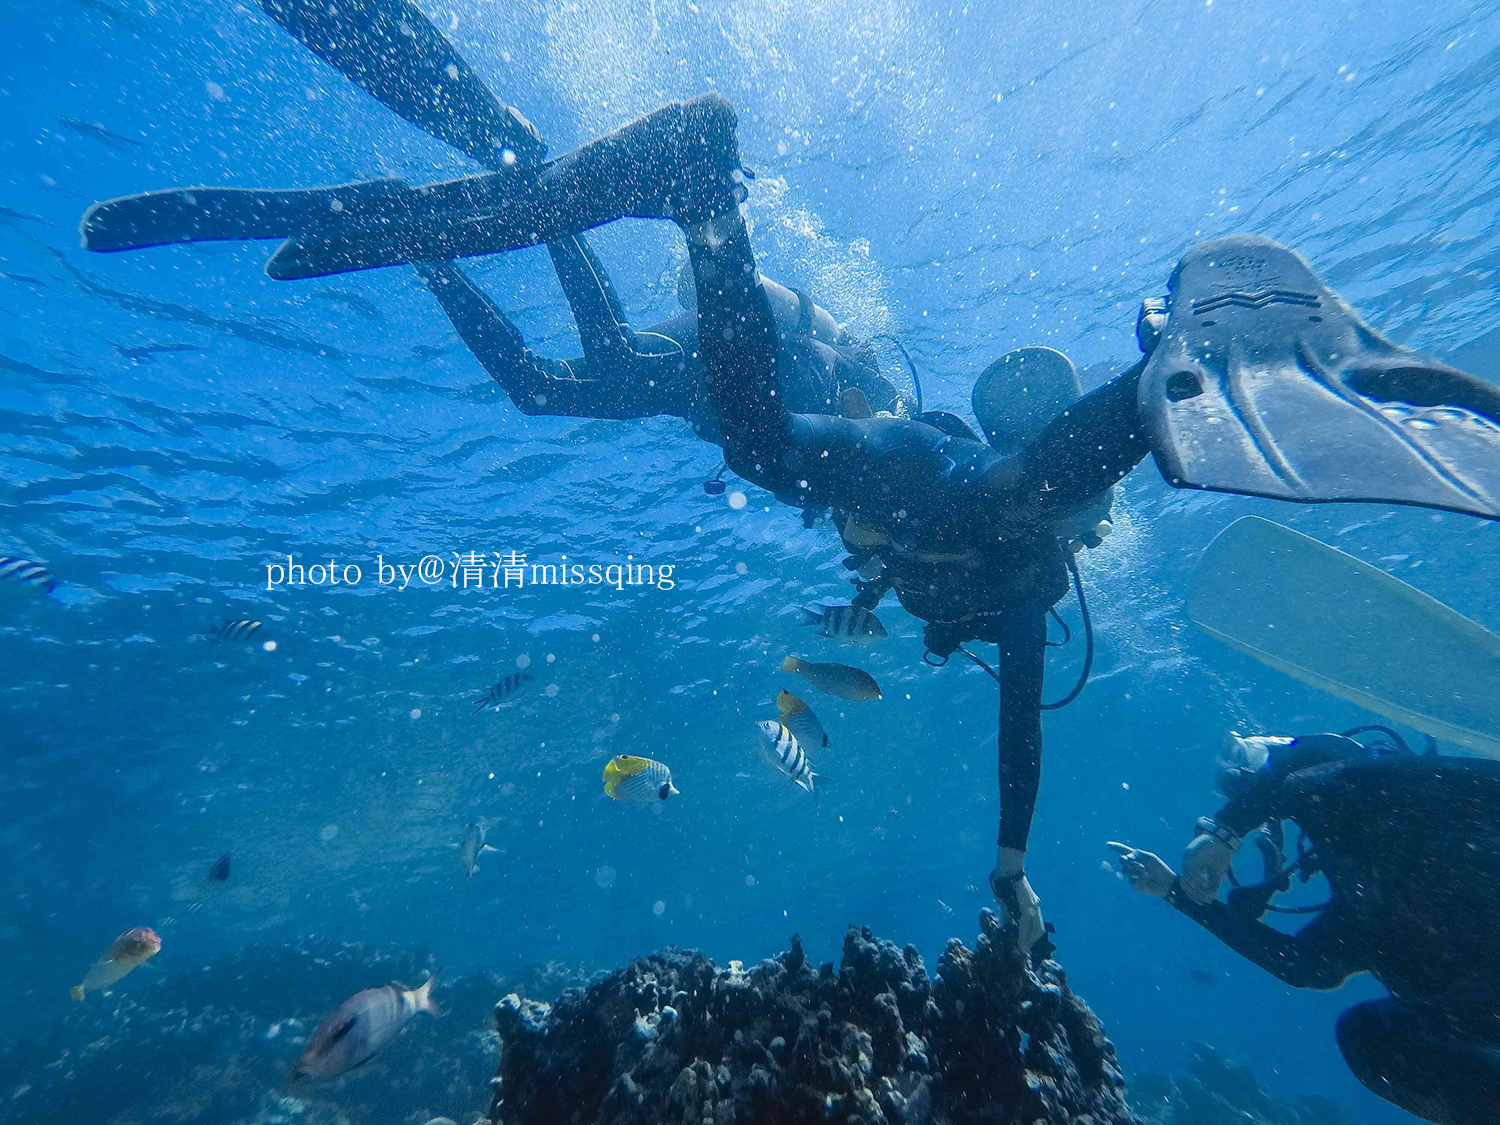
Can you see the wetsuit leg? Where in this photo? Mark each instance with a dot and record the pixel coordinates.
(538, 385)
(1422, 1061)
(602, 325)
(739, 343)
(1090, 445)
(1023, 659)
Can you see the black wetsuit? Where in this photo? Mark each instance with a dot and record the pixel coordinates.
(1411, 849)
(625, 373)
(971, 547)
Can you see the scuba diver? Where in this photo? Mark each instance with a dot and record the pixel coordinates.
(1258, 379)
(1410, 847)
(625, 373)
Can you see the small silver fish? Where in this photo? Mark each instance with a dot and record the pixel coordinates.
(363, 1024)
(798, 718)
(504, 690)
(471, 848)
(25, 572)
(847, 623)
(234, 632)
(782, 750)
(836, 679)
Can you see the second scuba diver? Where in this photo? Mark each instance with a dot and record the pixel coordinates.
(625, 373)
(1411, 851)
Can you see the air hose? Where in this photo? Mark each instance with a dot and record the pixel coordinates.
(916, 380)
(1088, 641)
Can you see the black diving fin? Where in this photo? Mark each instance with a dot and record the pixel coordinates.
(389, 49)
(209, 214)
(346, 215)
(1264, 382)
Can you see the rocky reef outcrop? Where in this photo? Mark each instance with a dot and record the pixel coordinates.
(1215, 1091)
(674, 1038)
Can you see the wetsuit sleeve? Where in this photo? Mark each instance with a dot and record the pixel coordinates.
(1323, 954)
(538, 385)
(1087, 448)
(1261, 798)
(1023, 660)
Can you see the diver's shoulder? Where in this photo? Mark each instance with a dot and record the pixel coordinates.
(1435, 766)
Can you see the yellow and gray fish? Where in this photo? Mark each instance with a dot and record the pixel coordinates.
(235, 632)
(471, 848)
(132, 948)
(504, 690)
(637, 781)
(363, 1024)
(25, 572)
(798, 718)
(782, 750)
(847, 623)
(835, 679)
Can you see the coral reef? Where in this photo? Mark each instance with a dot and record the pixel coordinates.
(1215, 1091)
(674, 1038)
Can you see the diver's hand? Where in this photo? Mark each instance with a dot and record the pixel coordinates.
(1145, 871)
(1205, 865)
(1020, 904)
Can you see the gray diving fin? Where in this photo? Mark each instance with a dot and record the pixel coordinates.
(1264, 382)
(1350, 629)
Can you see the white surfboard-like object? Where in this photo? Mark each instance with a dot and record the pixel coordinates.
(1350, 629)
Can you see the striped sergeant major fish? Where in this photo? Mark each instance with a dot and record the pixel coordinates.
(363, 1024)
(25, 572)
(504, 690)
(637, 781)
(782, 750)
(234, 632)
(847, 623)
(798, 718)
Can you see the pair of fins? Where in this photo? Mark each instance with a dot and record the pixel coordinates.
(1261, 381)
(389, 49)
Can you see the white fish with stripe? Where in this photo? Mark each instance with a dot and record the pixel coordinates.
(782, 750)
(847, 623)
(27, 572)
(799, 718)
(361, 1026)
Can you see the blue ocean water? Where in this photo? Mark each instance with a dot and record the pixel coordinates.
(969, 179)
